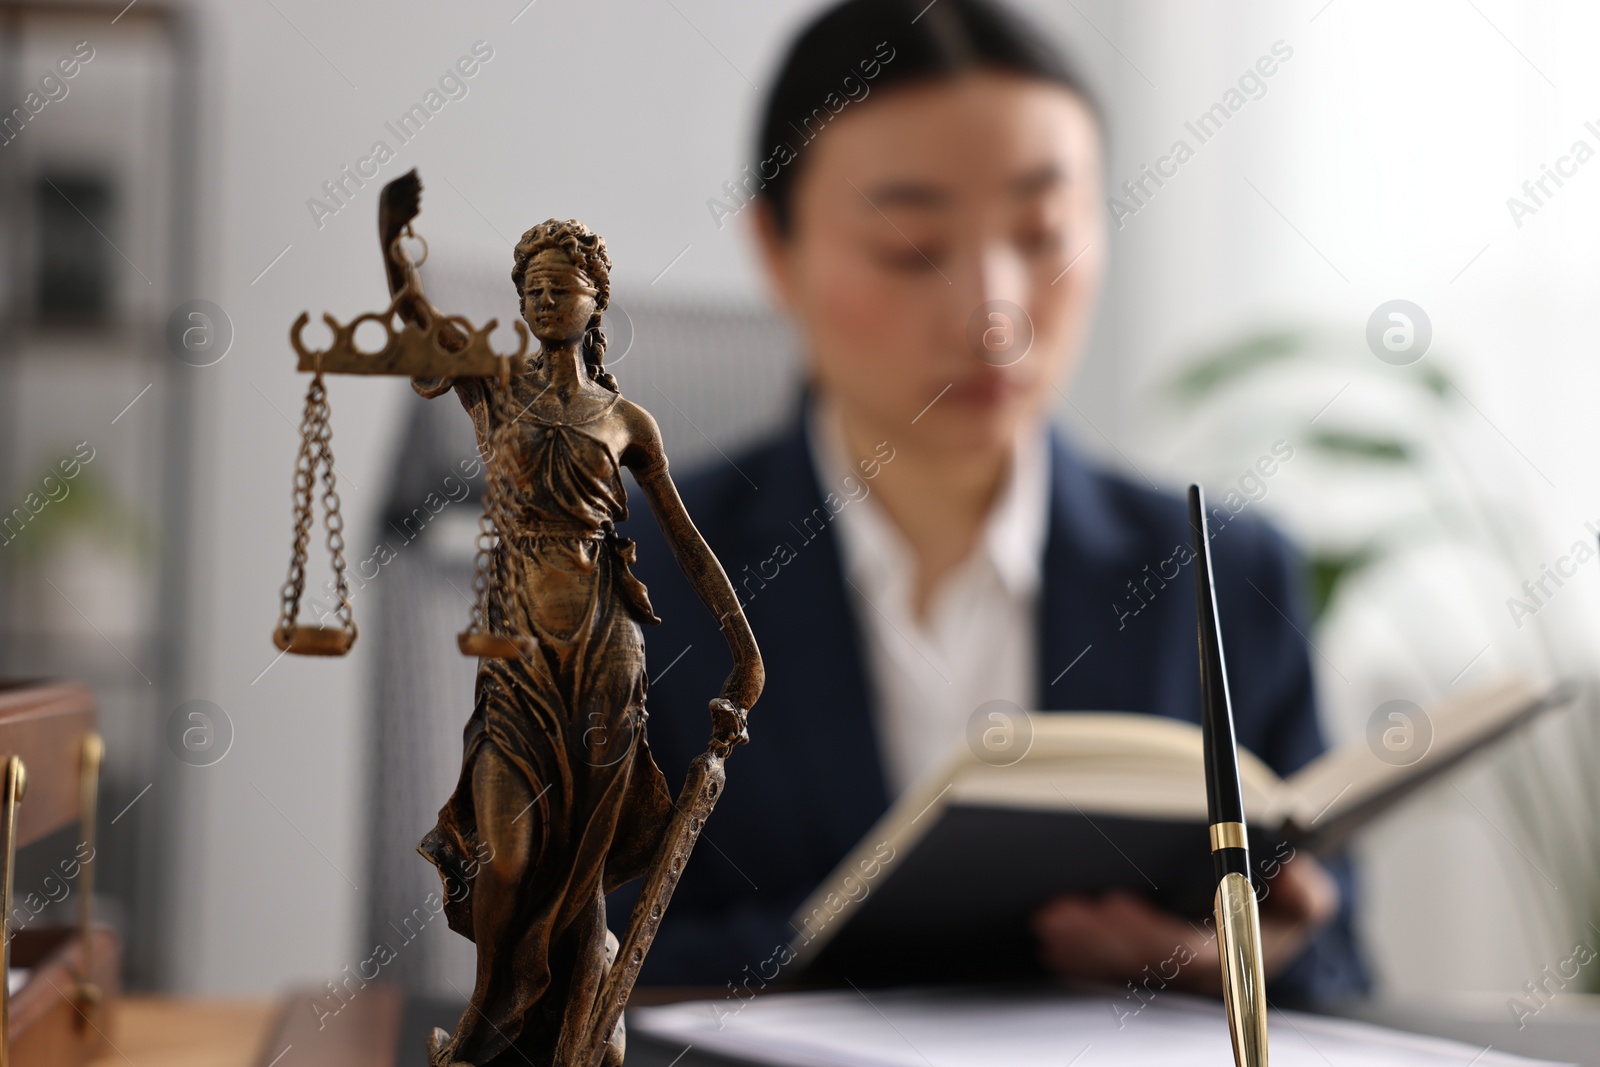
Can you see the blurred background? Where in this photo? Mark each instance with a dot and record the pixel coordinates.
(168, 209)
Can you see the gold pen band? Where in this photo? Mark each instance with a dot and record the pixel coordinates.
(1227, 835)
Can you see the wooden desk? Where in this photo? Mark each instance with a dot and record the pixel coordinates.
(176, 1032)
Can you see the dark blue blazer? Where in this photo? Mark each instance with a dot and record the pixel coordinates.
(1116, 632)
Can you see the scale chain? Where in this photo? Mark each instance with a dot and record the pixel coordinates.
(316, 450)
(491, 597)
(304, 483)
(333, 520)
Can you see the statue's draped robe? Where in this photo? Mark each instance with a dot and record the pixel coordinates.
(572, 723)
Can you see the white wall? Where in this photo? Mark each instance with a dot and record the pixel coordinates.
(1391, 141)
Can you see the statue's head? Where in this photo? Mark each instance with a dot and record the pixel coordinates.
(563, 277)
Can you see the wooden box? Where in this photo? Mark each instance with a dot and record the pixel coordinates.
(50, 753)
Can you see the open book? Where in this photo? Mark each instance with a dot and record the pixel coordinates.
(944, 884)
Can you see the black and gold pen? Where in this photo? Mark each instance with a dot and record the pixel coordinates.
(1238, 923)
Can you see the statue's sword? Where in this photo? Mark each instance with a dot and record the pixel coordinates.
(701, 788)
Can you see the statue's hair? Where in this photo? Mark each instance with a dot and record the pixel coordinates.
(588, 252)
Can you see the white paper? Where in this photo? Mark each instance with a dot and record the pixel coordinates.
(966, 1028)
(17, 978)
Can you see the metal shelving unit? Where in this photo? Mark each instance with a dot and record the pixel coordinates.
(96, 249)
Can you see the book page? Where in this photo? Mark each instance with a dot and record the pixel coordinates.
(1355, 781)
(1033, 1028)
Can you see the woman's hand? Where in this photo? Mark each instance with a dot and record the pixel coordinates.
(1122, 937)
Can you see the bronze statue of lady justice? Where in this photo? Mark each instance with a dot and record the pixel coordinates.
(559, 801)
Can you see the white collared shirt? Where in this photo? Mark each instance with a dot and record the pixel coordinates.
(979, 641)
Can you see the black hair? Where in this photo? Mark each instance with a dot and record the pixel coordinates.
(861, 46)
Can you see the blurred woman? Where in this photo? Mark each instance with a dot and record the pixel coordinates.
(920, 540)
